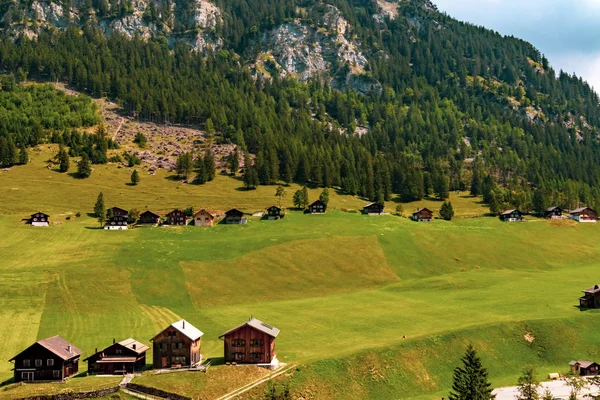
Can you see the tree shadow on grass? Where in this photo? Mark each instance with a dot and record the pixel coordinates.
(75, 175)
(174, 178)
(7, 382)
(94, 227)
(214, 361)
(244, 189)
(584, 309)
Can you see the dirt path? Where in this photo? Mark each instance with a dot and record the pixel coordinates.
(252, 385)
(114, 138)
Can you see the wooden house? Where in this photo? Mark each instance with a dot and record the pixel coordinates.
(39, 219)
(553, 212)
(125, 357)
(117, 212)
(204, 218)
(590, 298)
(373, 209)
(148, 218)
(51, 359)
(177, 346)
(253, 342)
(583, 214)
(116, 222)
(423, 215)
(176, 217)
(274, 212)
(318, 207)
(584, 368)
(511, 216)
(235, 217)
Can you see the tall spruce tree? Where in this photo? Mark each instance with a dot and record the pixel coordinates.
(471, 379)
(84, 168)
(63, 160)
(209, 164)
(100, 209)
(23, 156)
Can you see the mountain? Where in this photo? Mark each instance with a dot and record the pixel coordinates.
(380, 98)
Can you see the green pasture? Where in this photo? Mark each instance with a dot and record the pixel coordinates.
(368, 307)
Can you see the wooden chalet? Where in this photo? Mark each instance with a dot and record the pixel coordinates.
(51, 359)
(423, 215)
(275, 212)
(583, 214)
(373, 209)
(318, 207)
(511, 216)
(116, 222)
(590, 298)
(204, 218)
(39, 219)
(117, 212)
(178, 346)
(176, 217)
(235, 217)
(554, 212)
(584, 368)
(125, 357)
(253, 342)
(148, 218)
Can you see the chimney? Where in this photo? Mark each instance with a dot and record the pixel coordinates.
(183, 323)
(114, 341)
(96, 351)
(69, 347)
(133, 346)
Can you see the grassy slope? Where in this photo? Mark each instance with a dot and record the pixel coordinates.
(343, 288)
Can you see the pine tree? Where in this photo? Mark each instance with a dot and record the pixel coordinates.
(280, 194)
(446, 211)
(471, 379)
(135, 177)
(324, 196)
(298, 199)
(234, 162)
(305, 197)
(100, 209)
(84, 168)
(209, 164)
(23, 156)
(63, 160)
(250, 174)
(528, 386)
(201, 174)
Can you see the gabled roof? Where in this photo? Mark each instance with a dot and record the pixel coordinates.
(274, 208)
(422, 209)
(148, 212)
(201, 212)
(58, 346)
(508, 212)
(580, 210)
(134, 345)
(175, 211)
(184, 327)
(553, 208)
(592, 290)
(583, 364)
(39, 212)
(317, 202)
(258, 325)
(119, 210)
(234, 211)
(374, 204)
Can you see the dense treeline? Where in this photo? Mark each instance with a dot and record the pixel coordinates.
(459, 105)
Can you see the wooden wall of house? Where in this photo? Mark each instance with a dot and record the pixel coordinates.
(170, 346)
(266, 349)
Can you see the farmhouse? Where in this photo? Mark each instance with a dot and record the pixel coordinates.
(51, 359)
(373, 209)
(116, 223)
(176, 217)
(423, 215)
(148, 218)
(318, 207)
(554, 212)
(583, 214)
(235, 217)
(584, 368)
(125, 357)
(177, 346)
(117, 212)
(39, 219)
(590, 298)
(253, 342)
(275, 212)
(204, 218)
(511, 216)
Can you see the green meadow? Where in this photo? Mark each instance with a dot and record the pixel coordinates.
(368, 307)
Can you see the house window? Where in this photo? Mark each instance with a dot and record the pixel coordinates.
(35, 219)
(255, 342)
(238, 356)
(179, 345)
(26, 363)
(50, 362)
(38, 363)
(56, 374)
(173, 346)
(183, 360)
(238, 343)
(119, 351)
(256, 356)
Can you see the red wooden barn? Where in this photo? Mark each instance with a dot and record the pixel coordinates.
(253, 342)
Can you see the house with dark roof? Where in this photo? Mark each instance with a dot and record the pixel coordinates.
(125, 357)
(235, 217)
(39, 219)
(318, 207)
(584, 368)
(511, 216)
(177, 346)
(252, 342)
(553, 212)
(176, 217)
(373, 209)
(275, 212)
(590, 298)
(117, 212)
(423, 215)
(50, 359)
(583, 214)
(148, 218)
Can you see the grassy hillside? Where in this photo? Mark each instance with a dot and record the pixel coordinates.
(369, 307)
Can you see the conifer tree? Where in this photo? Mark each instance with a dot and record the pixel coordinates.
(234, 162)
(528, 386)
(471, 379)
(324, 196)
(446, 211)
(100, 209)
(23, 156)
(298, 199)
(305, 199)
(63, 160)
(201, 174)
(209, 164)
(135, 177)
(280, 194)
(84, 168)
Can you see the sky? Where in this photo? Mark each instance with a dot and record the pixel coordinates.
(566, 31)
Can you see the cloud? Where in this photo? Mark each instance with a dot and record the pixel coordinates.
(566, 31)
